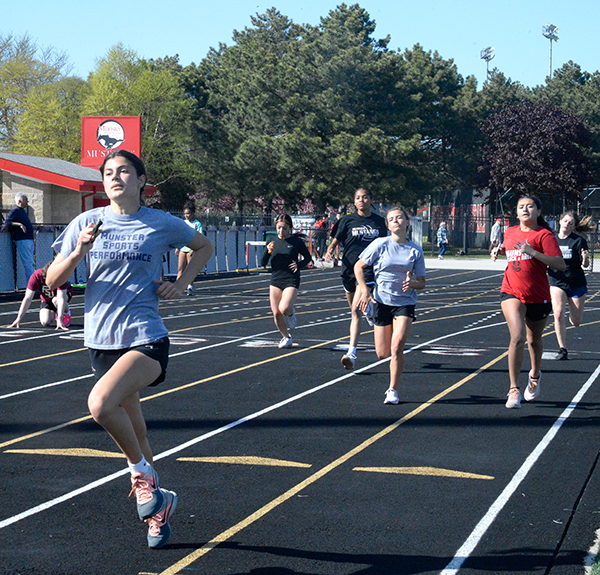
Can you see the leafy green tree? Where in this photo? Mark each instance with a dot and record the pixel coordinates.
(24, 66)
(50, 125)
(439, 107)
(287, 111)
(537, 148)
(125, 85)
(349, 102)
(499, 91)
(241, 93)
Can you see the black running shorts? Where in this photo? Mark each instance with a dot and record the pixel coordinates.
(384, 314)
(103, 359)
(534, 311)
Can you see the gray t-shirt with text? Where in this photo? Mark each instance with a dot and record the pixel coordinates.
(121, 304)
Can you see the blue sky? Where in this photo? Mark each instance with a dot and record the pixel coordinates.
(456, 30)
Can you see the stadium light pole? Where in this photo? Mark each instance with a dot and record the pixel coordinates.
(550, 31)
(487, 54)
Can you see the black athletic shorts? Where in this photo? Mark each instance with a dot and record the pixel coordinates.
(384, 314)
(286, 282)
(349, 279)
(103, 359)
(534, 311)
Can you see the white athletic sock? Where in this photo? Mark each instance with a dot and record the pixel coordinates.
(352, 351)
(142, 467)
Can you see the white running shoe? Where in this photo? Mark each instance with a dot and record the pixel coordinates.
(391, 397)
(348, 361)
(514, 399)
(291, 320)
(285, 342)
(533, 388)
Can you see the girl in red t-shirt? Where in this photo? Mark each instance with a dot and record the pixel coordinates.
(530, 249)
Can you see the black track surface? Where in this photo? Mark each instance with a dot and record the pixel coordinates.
(347, 485)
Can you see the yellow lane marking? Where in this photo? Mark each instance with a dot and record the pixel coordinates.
(441, 277)
(234, 320)
(227, 534)
(267, 315)
(43, 357)
(169, 391)
(433, 471)
(240, 369)
(186, 386)
(450, 316)
(246, 460)
(69, 452)
(44, 431)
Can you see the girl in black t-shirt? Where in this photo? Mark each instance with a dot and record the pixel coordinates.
(284, 252)
(569, 287)
(354, 232)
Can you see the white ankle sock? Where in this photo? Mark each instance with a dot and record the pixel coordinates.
(352, 351)
(142, 467)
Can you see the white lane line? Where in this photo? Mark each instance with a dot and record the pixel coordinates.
(54, 334)
(46, 386)
(473, 540)
(34, 311)
(48, 504)
(195, 350)
(61, 499)
(247, 337)
(98, 483)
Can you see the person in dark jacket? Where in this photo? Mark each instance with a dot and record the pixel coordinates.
(19, 225)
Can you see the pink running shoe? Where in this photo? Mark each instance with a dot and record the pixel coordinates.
(66, 318)
(159, 530)
(147, 493)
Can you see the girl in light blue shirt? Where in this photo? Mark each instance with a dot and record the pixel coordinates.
(399, 267)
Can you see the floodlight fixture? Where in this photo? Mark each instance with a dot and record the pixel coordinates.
(486, 55)
(550, 31)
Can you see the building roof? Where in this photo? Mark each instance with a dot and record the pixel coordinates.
(53, 171)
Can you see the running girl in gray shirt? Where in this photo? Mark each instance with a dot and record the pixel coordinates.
(129, 348)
